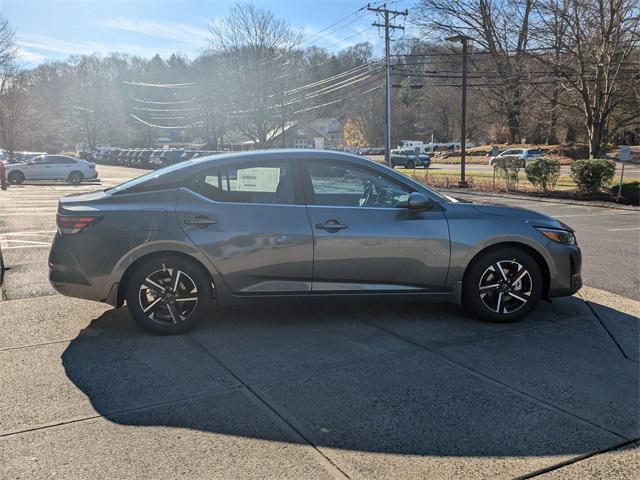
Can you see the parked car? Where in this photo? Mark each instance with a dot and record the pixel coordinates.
(407, 159)
(232, 228)
(143, 158)
(52, 167)
(167, 157)
(523, 154)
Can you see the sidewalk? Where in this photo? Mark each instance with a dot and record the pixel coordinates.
(363, 392)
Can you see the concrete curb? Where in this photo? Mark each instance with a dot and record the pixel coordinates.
(583, 203)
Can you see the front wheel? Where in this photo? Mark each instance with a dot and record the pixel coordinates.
(502, 285)
(168, 295)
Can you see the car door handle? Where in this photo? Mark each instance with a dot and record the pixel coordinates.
(200, 221)
(331, 226)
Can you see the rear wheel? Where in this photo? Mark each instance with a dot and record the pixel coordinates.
(15, 178)
(168, 294)
(75, 178)
(503, 285)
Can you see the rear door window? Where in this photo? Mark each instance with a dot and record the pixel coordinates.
(269, 182)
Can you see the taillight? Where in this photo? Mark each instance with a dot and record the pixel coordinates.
(74, 224)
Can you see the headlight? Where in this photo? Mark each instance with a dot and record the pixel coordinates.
(561, 236)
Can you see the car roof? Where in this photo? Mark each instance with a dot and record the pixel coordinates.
(280, 154)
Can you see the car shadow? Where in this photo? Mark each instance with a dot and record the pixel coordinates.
(363, 378)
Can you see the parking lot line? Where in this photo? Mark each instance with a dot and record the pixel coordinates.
(622, 229)
(608, 213)
(47, 245)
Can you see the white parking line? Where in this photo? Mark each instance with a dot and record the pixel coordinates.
(622, 229)
(26, 246)
(610, 213)
(30, 233)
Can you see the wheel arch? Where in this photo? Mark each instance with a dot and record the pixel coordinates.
(16, 172)
(122, 285)
(535, 254)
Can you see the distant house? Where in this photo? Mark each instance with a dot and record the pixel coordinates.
(332, 129)
(321, 134)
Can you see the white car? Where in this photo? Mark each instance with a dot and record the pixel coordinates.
(523, 153)
(52, 167)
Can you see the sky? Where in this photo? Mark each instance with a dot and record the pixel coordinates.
(55, 29)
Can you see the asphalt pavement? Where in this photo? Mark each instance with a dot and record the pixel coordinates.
(337, 390)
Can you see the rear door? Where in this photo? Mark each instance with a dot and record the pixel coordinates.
(365, 238)
(62, 166)
(250, 220)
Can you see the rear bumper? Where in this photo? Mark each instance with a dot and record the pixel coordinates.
(68, 276)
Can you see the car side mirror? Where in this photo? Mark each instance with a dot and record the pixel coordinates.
(418, 202)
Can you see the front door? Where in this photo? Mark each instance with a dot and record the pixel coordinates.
(251, 222)
(366, 239)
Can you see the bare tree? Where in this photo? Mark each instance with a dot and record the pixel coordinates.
(13, 107)
(593, 44)
(500, 28)
(7, 50)
(11, 94)
(254, 48)
(95, 109)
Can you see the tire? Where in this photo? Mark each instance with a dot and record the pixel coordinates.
(486, 294)
(75, 178)
(151, 307)
(15, 178)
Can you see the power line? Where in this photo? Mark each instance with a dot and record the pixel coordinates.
(160, 85)
(336, 23)
(163, 103)
(166, 127)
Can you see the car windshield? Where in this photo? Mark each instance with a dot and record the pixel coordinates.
(148, 176)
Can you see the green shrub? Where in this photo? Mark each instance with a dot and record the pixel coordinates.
(507, 168)
(630, 192)
(543, 173)
(592, 175)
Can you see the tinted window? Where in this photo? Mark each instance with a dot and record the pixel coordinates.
(60, 160)
(270, 182)
(352, 186)
(535, 151)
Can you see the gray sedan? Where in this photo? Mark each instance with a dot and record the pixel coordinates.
(232, 228)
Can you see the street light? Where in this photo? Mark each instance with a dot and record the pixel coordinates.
(463, 123)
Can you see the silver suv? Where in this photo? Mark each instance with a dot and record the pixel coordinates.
(231, 228)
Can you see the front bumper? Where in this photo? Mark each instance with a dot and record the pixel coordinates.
(567, 278)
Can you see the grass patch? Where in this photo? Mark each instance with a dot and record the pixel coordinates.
(565, 188)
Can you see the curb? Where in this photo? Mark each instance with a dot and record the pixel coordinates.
(583, 203)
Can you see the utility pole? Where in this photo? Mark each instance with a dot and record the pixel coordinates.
(388, 15)
(463, 121)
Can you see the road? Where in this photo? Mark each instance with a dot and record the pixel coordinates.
(335, 390)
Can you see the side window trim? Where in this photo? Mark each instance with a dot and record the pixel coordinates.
(309, 193)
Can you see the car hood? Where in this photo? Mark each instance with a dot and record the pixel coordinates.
(534, 218)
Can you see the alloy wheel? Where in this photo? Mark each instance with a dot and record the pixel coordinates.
(505, 287)
(168, 296)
